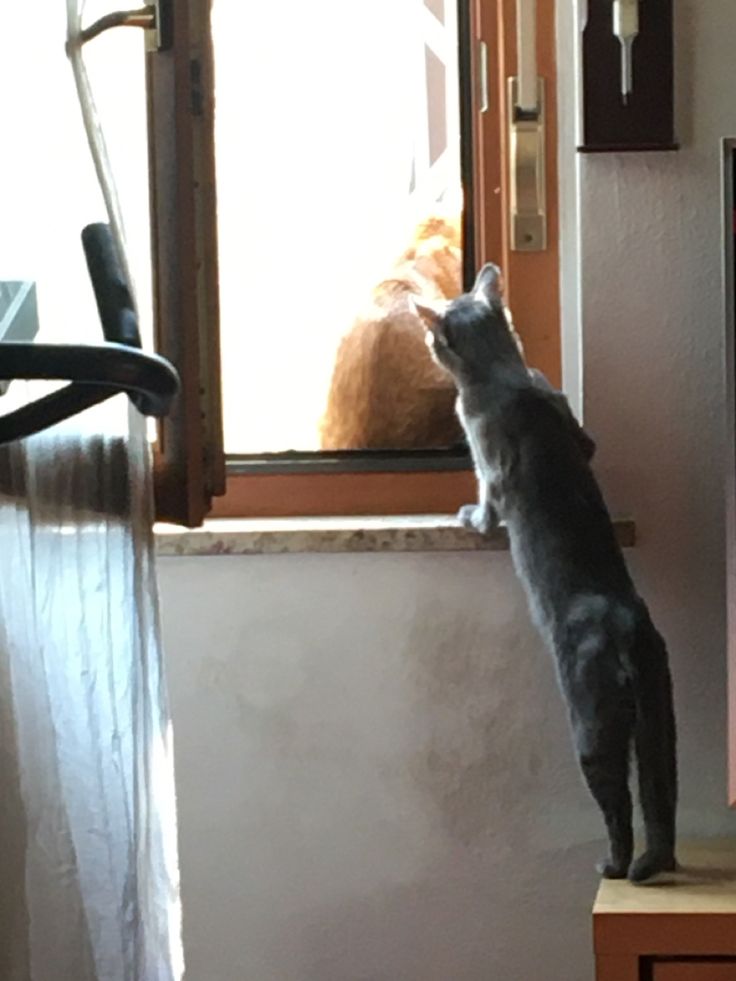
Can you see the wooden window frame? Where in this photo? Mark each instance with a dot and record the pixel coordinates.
(189, 463)
(192, 477)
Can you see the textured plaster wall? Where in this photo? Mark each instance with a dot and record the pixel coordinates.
(374, 775)
(375, 781)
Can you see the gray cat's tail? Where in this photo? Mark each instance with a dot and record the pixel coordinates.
(655, 743)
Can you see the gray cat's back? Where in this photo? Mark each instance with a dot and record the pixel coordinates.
(562, 537)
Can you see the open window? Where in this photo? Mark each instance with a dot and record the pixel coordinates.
(348, 175)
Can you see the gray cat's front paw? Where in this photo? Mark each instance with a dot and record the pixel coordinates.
(476, 518)
(465, 516)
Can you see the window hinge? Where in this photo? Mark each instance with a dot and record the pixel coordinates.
(154, 18)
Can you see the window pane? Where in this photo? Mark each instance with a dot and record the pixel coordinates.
(337, 139)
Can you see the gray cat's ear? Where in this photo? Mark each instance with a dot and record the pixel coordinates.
(488, 284)
(428, 311)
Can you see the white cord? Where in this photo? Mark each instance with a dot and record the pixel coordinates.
(95, 135)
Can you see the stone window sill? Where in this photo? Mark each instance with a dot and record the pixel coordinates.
(278, 536)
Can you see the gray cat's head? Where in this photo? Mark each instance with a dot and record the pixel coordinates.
(473, 335)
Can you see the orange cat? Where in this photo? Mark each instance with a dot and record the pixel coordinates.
(386, 391)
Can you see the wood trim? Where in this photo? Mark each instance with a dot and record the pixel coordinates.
(663, 934)
(322, 494)
(189, 462)
(487, 28)
(617, 967)
(694, 971)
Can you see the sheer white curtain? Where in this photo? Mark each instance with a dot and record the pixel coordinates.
(90, 830)
(90, 887)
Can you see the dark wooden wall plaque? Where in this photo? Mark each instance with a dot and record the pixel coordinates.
(646, 122)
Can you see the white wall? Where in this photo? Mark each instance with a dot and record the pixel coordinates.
(654, 335)
(375, 780)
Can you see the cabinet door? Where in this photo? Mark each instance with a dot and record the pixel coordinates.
(695, 971)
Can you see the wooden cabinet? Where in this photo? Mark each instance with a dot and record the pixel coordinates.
(695, 971)
(680, 929)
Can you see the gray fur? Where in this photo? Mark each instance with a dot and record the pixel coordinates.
(532, 464)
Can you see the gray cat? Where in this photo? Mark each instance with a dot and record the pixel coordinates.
(532, 463)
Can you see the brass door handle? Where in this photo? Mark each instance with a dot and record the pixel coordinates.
(527, 200)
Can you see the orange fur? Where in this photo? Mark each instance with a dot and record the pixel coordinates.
(386, 391)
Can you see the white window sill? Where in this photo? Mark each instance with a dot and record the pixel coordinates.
(275, 536)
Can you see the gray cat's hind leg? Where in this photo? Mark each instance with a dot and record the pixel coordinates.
(602, 716)
(604, 762)
(655, 742)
